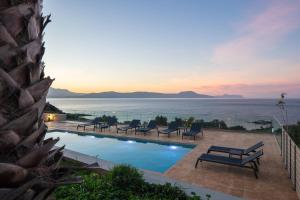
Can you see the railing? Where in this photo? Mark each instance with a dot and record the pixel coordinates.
(290, 153)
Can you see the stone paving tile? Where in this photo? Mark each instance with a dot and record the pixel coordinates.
(273, 182)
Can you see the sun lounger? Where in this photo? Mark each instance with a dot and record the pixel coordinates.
(94, 123)
(172, 127)
(151, 125)
(236, 151)
(247, 162)
(111, 121)
(195, 129)
(134, 124)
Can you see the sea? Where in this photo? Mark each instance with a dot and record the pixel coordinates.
(234, 112)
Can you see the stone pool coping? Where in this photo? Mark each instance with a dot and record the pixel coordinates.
(127, 137)
(150, 177)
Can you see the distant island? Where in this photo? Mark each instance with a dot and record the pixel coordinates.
(64, 93)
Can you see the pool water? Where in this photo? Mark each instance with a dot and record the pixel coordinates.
(142, 154)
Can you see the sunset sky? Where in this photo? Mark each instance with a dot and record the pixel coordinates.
(214, 47)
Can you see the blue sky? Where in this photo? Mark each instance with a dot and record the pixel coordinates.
(208, 46)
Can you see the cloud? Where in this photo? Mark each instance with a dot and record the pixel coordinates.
(258, 34)
(254, 90)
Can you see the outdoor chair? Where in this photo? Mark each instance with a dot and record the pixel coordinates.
(194, 130)
(151, 125)
(236, 151)
(111, 121)
(94, 123)
(247, 162)
(134, 124)
(172, 127)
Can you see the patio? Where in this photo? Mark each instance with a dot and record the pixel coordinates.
(273, 182)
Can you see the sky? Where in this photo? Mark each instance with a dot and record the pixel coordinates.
(208, 46)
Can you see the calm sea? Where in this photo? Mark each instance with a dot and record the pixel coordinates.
(232, 111)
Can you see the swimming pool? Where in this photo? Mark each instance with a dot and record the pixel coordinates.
(143, 154)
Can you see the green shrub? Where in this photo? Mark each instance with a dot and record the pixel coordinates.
(77, 116)
(125, 177)
(179, 121)
(161, 120)
(237, 128)
(190, 121)
(294, 132)
(122, 182)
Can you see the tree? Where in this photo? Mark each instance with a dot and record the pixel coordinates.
(28, 163)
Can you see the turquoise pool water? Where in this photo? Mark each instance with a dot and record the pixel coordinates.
(142, 154)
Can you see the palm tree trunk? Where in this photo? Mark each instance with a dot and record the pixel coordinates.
(28, 163)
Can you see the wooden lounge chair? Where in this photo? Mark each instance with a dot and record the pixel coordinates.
(247, 162)
(134, 124)
(172, 127)
(195, 129)
(151, 125)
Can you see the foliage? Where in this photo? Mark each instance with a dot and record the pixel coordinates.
(294, 132)
(125, 177)
(77, 116)
(122, 182)
(106, 118)
(237, 128)
(220, 124)
(161, 120)
(189, 121)
(179, 121)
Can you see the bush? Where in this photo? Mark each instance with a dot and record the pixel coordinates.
(294, 132)
(161, 120)
(106, 118)
(77, 116)
(179, 121)
(190, 121)
(122, 182)
(237, 128)
(125, 177)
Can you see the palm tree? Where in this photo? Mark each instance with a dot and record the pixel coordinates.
(28, 163)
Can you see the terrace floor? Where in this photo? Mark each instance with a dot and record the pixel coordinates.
(273, 182)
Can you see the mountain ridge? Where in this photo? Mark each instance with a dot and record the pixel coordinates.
(64, 93)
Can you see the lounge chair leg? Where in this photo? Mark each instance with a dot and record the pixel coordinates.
(255, 174)
(258, 162)
(255, 165)
(197, 163)
(194, 137)
(182, 137)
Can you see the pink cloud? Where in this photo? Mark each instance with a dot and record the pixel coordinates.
(254, 90)
(259, 33)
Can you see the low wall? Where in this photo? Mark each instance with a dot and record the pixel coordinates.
(291, 158)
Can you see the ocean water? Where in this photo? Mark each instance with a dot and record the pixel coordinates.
(232, 111)
(142, 154)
